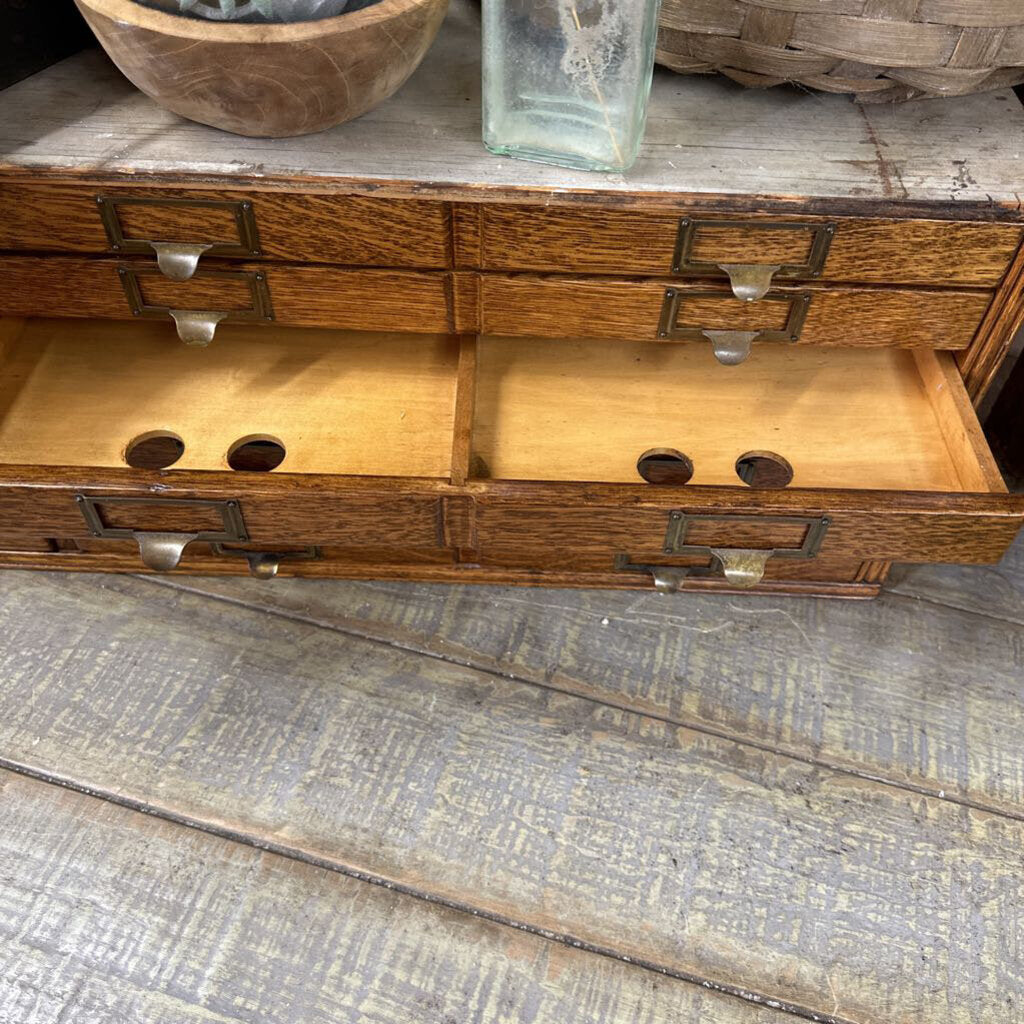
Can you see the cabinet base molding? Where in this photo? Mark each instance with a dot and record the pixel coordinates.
(79, 561)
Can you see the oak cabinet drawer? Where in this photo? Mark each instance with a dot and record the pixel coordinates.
(509, 456)
(216, 521)
(286, 226)
(575, 240)
(308, 296)
(115, 432)
(797, 459)
(554, 306)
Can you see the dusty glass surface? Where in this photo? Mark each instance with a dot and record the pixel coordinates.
(566, 81)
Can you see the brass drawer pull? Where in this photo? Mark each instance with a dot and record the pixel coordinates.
(264, 564)
(162, 550)
(179, 260)
(731, 346)
(751, 281)
(198, 326)
(742, 567)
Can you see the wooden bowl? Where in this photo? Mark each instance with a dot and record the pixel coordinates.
(271, 80)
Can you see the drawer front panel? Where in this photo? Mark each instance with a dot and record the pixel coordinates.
(202, 558)
(305, 296)
(549, 306)
(354, 230)
(840, 578)
(233, 510)
(863, 250)
(585, 530)
(20, 543)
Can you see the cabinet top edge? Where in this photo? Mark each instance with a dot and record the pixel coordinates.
(707, 139)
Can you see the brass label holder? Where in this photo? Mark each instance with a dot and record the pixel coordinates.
(162, 550)
(743, 567)
(198, 326)
(176, 259)
(751, 281)
(731, 346)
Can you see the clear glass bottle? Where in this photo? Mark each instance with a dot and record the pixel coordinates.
(566, 81)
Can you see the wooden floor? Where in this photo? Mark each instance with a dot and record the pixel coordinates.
(302, 802)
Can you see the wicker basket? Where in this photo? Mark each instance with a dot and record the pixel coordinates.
(879, 49)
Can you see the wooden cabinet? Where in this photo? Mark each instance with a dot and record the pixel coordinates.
(443, 366)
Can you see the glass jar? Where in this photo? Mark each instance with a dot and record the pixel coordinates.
(566, 81)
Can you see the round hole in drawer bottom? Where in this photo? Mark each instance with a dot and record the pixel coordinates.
(156, 449)
(664, 466)
(256, 454)
(764, 469)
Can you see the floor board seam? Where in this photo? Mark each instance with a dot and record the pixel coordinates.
(936, 603)
(938, 792)
(349, 871)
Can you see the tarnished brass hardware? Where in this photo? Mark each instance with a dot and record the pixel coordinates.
(666, 579)
(161, 550)
(742, 567)
(178, 260)
(731, 347)
(264, 564)
(751, 281)
(198, 326)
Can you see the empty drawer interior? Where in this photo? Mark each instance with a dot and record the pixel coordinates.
(96, 393)
(889, 419)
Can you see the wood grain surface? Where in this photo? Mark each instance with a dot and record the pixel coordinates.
(619, 242)
(857, 418)
(705, 137)
(292, 226)
(338, 402)
(998, 589)
(688, 851)
(1004, 319)
(302, 295)
(554, 306)
(903, 688)
(116, 917)
(267, 80)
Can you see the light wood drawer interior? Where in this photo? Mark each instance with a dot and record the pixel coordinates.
(80, 393)
(77, 393)
(872, 419)
(510, 451)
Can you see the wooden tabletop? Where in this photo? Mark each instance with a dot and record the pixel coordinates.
(706, 136)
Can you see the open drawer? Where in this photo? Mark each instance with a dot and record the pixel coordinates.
(500, 458)
(115, 436)
(775, 469)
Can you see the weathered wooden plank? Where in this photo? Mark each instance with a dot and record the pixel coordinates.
(704, 135)
(926, 698)
(831, 892)
(996, 591)
(109, 916)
